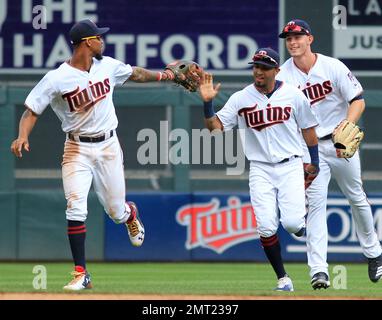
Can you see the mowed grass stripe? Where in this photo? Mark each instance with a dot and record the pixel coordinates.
(187, 278)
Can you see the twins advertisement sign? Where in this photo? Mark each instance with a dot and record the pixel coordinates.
(216, 226)
(357, 34)
(222, 227)
(219, 35)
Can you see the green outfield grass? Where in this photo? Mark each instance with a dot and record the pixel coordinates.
(186, 278)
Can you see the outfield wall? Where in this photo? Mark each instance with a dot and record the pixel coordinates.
(179, 227)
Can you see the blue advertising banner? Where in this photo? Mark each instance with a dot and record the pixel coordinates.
(164, 239)
(222, 227)
(343, 244)
(219, 35)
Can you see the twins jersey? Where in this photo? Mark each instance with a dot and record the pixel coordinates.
(82, 100)
(270, 126)
(329, 86)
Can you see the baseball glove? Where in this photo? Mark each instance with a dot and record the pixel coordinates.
(310, 173)
(185, 73)
(347, 137)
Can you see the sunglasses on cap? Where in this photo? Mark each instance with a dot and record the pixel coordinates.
(92, 37)
(264, 58)
(295, 28)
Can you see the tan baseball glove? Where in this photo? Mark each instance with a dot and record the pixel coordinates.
(347, 137)
(187, 74)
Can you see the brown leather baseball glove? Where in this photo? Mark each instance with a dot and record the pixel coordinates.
(187, 74)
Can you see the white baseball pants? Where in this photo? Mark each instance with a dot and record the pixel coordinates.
(348, 177)
(278, 188)
(102, 164)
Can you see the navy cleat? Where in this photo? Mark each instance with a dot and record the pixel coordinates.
(375, 268)
(320, 281)
(301, 232)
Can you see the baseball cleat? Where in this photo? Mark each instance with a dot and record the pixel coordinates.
(301, 232)
(81, 280)
(320, 280)
(284, 284)
(134, 226)
(375, 268)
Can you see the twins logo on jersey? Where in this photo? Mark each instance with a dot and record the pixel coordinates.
(317, 92)
(80, 101)
(261, 118)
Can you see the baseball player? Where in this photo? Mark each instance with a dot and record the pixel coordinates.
(80, 92)
(334, 95)
(269, 114)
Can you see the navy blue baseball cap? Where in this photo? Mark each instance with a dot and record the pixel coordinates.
(266, 57)
(83, 29)
(296, 26)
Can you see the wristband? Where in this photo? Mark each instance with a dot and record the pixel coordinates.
(208, 109)
(314, 158)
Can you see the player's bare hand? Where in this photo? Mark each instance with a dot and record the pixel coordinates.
(310, 173)
(207, 90)
(18, 145)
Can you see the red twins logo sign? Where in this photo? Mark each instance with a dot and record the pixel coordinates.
(218, 228)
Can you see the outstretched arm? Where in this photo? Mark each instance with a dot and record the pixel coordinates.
(27, 122)
(143, 75)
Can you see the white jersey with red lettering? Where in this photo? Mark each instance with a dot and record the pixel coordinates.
(83, 102)
(269, 129)
(330, 86)
(270, 125)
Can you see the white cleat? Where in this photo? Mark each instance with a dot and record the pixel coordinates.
(134, 226)
(81, 280)
(284, 284)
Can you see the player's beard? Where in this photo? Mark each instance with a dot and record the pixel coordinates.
(260, 84)
(265, 86)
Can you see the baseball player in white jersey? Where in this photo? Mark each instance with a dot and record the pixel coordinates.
(334, 94)
(269, 115)
(80, 92)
